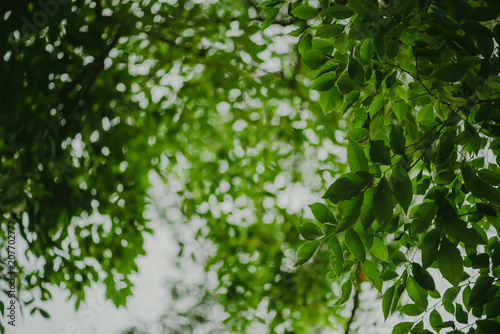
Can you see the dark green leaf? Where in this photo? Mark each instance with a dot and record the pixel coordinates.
(450, 262)
(356, 72)
(402, 187)
(380, 153)
(429, 247)
(416, 293)
(356, 157)
(382, 201)
(397, 140)
(457, 229)
(471, 179)
(349, 212)
(423, 217)
(479, 292)
(453, 72)
(314, 59)
(423, 278)
(461, 316)
(339, 12)
(355, 245)
(490, 176)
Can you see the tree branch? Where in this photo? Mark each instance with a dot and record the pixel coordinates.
(354, 309)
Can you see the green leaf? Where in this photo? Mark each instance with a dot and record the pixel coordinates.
(310, 231)
(423, 278)
(345, 84)
(358, 134)
(356, 72)
(450, 262)
(339, 12)
(44, 313)
(387, 301)
(397, 140)
(423, 217)
(411, 309)
(271, 14)
(453, 72)
(306, 251)
(379, 249)
(435, 320)
(392, 48)
(367, 215)
(322, 213)
(331, 99)
(457, 229)
(346, 292)
(382, 201)
(355, 245)
(479, 292)
(379, 153)
(337, 262)
(491, 193)
(400, 111)
(325, 82)
(429, 247)
(314, 59)
(356, 157)
(305, 43)
(342, 189)
(471, 179)
(416, 293)
(402, 188)
(349, 212)
(305, 12)
(490, 176)
(461, 316)
(389, 274)
(367, 50)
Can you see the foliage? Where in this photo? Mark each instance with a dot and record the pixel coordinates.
(417, 82)
(100, 92)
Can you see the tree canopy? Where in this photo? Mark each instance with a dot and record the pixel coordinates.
(234, 105)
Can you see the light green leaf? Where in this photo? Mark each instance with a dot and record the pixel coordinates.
(379, 249)
(305, 12)
(322, 213)
(387, 301)
(331, 99)
(435, 320)
(367, 50)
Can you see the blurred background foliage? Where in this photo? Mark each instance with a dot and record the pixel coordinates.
(100, 98)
